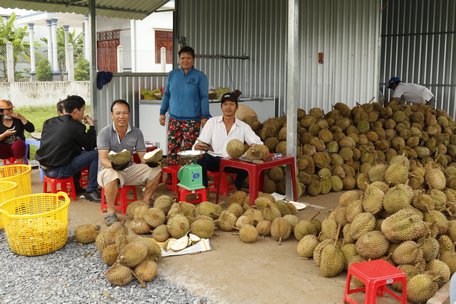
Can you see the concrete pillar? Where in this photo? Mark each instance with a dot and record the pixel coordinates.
(55, 61)
(133, 45)
(86, 39)
(31, 27)
(49, 42)
(120, 66)
(67, 40)
(163, 58)
(9, 62)
(70, 62)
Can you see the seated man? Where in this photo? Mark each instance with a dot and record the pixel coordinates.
(12, 139)
(217, 133)
(117, 137)
(66, 147)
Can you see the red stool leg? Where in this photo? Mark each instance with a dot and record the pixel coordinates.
(72, 188)
(203, 194)
(123, 200)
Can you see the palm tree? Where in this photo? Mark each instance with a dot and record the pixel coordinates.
(9, 33)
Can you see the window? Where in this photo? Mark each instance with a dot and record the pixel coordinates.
(164, 39)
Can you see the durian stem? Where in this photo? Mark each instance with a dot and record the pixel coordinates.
(140, 280)
(318, 212)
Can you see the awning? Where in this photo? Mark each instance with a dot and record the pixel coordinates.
(126, 9)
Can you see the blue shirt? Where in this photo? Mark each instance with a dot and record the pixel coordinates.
(186, 97)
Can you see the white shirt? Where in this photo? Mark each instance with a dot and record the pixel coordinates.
(214, 134)
(413, 93)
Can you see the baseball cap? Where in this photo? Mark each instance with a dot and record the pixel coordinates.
(229, 96)
(393, 80)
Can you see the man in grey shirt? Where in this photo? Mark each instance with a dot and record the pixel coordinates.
(117, 137)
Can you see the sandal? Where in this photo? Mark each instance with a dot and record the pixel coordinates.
(111, 219)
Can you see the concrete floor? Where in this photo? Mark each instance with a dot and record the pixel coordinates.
(236, 272)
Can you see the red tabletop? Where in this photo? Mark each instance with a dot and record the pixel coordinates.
(255, 171)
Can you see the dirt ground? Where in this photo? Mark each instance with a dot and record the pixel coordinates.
(234, 272)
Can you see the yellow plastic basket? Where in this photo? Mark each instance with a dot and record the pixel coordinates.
(7, 191)
(36, 224)
(19, 174)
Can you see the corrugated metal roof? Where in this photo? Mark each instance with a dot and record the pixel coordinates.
(127, 9)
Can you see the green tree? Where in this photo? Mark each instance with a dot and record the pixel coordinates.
(43, 70)
(82, 70)
(78, 45)
(9, 33)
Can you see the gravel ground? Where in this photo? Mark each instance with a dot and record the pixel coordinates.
(75, 274)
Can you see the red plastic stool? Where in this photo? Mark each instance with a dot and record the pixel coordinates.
(182, 195)
(84, 180)
(60, 184)
(223, 187)
(375, 275)
(122, 199)
(172, 170)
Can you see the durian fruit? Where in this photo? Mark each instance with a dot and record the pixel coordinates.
(430, 247)
(119, 275)
(421, 288)
(439, 219)
(153, 157)
(303, 228)
(237, 197)
(131, 208)
(355, 208)
(280, 229)
(397, 198)
(146, 271)
(257, 152)
(139, 226)
(332, 261)
(264, 228)
(235, 148)
(271, 212)
(164, 203)
(86, 233)
(244, 220)
(133, 253)
(227, 220)
(154, 217)
(318, 249)
(110, 254)
(407, 252)
(404, 225)
(160, 233)
(435, 179)
(306, 246)
(449, 258)
(255, 214)
(362, 223)
(373, 199)
(248, 233)
(120, 158)
(377, 172)
(153, 248)
(439, 268)
(396, 174)
(208, 209)
(203, 227)
(372, 245)
(178, 226)
(329, 228)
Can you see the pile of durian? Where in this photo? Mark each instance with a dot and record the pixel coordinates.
(404, 214)
(347, 142)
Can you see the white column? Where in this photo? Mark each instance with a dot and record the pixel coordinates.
(65, 31)
(86, 39)
(163, 58)
(49, 42)
(32, 47)
(9, 62)
(120, 66)
(55, 61)
(133, 45)
(70, 62)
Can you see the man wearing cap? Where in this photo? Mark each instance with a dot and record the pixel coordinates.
(410, 92)
(12, 139)
(218, 132)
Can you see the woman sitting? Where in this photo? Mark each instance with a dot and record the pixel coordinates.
(12, 139)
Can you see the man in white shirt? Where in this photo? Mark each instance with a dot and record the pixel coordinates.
(410, 92)
(218, 132)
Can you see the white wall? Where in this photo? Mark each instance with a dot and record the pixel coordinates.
(145, 40)
(43, 93)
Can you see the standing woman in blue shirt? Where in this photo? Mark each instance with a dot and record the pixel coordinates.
(187, 101)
